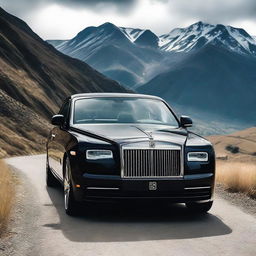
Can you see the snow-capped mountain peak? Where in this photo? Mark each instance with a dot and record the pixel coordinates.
(131, 33)
(141, 37)
(200, 34)
(133, 56)
(183, 39)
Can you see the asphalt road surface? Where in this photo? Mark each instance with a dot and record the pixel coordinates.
(44, 229)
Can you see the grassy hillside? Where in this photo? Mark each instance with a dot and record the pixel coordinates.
(34, 80)
(236, 147)
(23, 131)
(236, 161)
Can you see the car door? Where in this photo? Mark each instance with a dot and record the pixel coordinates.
(57, 142)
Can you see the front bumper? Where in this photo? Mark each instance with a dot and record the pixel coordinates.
(196, 187)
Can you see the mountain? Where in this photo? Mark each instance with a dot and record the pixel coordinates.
(132, 33)
(205, 70)
(57, 42)
(201, 34)
(34, 80)
(134, 56)
(147, 39)
(212, 80)
(124, 54)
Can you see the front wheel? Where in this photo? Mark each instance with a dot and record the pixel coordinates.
(70, 204)
(199, 207)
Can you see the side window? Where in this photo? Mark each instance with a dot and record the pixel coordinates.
(65, 111)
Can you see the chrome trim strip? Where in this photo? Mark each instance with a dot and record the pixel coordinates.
(205, 201)
(191, 188)
(101, 188)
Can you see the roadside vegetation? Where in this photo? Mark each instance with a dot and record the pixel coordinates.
(237, 177)
(7, 194)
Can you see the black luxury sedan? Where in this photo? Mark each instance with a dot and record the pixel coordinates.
(115, 146)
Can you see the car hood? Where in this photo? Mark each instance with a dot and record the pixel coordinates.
(128, 133)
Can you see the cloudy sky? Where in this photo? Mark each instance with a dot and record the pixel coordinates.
(63, 19)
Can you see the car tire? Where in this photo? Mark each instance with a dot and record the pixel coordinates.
(70, 204)
(199, 207)
(50, 179)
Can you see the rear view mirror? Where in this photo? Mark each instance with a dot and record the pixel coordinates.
(186, 121)
(58, 120)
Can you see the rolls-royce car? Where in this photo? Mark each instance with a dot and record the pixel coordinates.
(119, 146)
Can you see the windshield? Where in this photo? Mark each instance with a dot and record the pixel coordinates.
(122, 110)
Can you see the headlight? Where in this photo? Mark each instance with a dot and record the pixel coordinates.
(95, 154)
(198, 156)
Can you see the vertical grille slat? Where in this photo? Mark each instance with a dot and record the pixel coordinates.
(151, 163)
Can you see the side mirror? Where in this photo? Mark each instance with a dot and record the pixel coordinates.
(185, 121)
(58, 120)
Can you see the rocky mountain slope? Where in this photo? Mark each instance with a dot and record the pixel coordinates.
(34, 80)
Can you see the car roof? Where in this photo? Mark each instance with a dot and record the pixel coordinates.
(83, 95)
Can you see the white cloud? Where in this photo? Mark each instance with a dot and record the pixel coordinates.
(52, 20)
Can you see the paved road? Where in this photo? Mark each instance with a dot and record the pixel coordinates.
(132, 231)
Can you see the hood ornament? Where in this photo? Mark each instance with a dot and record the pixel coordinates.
(152, 143)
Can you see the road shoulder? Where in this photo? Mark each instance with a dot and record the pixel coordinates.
(239, 199)
(22, 234)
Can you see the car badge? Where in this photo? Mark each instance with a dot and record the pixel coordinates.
(151, 143)
(152, 185)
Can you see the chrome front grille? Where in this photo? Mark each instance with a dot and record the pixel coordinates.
(146, 163)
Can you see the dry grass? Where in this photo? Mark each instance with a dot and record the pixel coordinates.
(237, 177)
(7, 194)
(243, 142)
